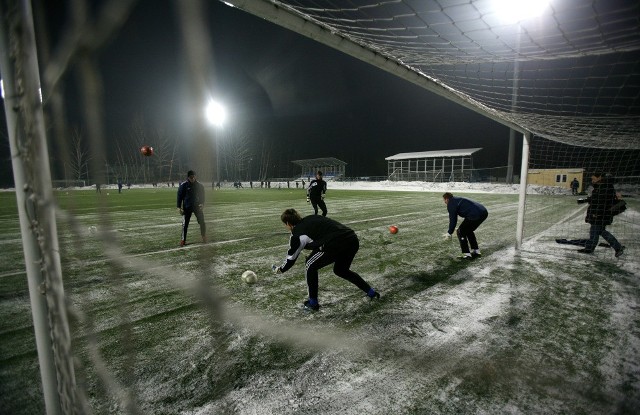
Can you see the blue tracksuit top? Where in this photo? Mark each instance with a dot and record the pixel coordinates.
(466, 208)
(190, 195)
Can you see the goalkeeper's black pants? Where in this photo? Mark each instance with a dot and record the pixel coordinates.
(319, 203)
(465, 233)
(341, 256)
(187, 218)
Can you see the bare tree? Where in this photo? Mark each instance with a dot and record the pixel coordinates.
(236, 154)
(78, 164)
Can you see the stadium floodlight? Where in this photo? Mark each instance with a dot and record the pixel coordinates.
(215, 113)
(515, 11)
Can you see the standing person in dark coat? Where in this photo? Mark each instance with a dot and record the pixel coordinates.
(474, 214)
(574, 186)
(315, 194)
(191, 201)
(330, 242)
(599, 214)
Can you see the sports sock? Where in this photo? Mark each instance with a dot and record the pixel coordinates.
(371, 293)
(313, 301)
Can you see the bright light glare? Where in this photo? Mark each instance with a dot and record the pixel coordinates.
(517, 10)
(215, 113)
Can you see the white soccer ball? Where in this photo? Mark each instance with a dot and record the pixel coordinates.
(93, 230)
(249, 277)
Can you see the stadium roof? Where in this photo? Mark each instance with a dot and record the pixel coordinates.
(435, 154)
(323, 161)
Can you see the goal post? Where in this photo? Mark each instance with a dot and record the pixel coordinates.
(34, 196)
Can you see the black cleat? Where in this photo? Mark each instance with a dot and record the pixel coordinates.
(375, 296)
(308, 306)
(620, 251)
(475, 255)
(585, 251)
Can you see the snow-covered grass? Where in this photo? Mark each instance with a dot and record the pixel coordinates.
(541, 330)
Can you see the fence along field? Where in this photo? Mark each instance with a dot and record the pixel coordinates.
(162, 329)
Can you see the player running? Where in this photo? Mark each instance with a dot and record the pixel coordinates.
(315, 194)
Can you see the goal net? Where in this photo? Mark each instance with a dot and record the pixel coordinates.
(560, 183)
(569, 78)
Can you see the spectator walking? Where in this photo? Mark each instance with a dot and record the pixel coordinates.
(599, 214)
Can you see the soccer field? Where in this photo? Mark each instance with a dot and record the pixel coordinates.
(163, 329)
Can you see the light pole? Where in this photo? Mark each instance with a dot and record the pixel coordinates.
(516, 11)
(216, 116)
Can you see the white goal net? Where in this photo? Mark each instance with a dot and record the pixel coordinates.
(569, 78)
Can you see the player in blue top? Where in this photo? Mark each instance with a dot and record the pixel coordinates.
(191, 201)
(473, 213)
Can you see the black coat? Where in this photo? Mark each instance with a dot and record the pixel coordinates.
(600, 202)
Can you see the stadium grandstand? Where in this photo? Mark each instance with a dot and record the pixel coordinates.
(432, 166)
(331, 167)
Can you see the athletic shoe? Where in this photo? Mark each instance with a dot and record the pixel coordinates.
(204, 239)
(620, 251)
(465, 257)
(585, 251)
(312, 307)
(182, 242)
(476, 255)
(373, 295)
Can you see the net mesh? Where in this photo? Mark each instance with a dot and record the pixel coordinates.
(570, 75)
(571, 78)
(555, 222)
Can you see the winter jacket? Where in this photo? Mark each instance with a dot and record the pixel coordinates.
(602, 198)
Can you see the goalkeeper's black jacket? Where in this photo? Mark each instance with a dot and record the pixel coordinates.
(317, 232)
(317, 187)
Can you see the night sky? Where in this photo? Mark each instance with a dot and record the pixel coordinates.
(311, 101)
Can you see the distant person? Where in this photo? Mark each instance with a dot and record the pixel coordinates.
(599, 214)
(191, 201)
(119, 185)
(315, 194)
(574, 186)
(98, 188)
(474, 214)
(330, 242)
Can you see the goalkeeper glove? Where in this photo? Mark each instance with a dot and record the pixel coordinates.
(180, 211)
(322, 197)
(276, 269)
(308, 199)
(447, 236)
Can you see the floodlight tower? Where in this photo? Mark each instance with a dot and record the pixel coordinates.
(515, 12)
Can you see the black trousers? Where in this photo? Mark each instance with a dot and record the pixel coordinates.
(341, 256)
(319, 203)
(187, 218)
(465, 233)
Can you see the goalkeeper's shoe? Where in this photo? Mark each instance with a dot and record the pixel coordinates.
(373, 294)
(466, 257)
(182, 242)
(476, 255)
(309, 306)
